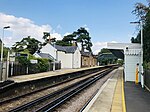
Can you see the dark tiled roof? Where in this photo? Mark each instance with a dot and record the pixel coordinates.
(46, 55)
(59, 48)
(67, 49)
(86, 53)
(106, 56)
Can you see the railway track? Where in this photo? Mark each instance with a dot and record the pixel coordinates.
(51, 101)
(7, 100)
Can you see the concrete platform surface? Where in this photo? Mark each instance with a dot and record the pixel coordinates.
(30, 77)
(110, 96)
(137, 99)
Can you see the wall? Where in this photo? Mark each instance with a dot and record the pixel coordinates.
(66, 59)
(77, 59)
(132, 57)
(48, 48)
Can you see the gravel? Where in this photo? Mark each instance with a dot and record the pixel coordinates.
(14, 104)
(76, 103)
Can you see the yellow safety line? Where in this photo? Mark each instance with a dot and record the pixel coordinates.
(123, 97)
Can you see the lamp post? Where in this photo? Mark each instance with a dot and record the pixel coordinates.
(142, 71)
(1, 63)
(2, 42)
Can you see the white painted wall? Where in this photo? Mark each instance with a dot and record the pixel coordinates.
(68, 60)
(132, 57)
(77, 59)
(61, 58)
(48, 48)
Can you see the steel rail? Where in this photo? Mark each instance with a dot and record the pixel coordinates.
(34, 102)
(38, 90)
(52, 105)
(42, 99)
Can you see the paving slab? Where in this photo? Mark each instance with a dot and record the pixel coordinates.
(30, 77)
(109, 97)
(137, 98)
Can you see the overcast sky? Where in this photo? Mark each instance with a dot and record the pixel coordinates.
(106, 20)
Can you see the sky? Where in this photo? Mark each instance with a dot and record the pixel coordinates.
(105, 20)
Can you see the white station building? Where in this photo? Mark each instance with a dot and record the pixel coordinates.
(131, 54)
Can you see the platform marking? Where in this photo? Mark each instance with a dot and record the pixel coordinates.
(95, 97)
(123, 97)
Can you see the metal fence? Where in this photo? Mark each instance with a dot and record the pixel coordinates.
(147, 78)
(18, 69)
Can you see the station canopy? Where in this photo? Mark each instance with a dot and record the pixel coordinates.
(118, 48)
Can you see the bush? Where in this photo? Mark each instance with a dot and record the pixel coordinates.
(120, 61)
(23, 60)
(43, 64)
(146, 65)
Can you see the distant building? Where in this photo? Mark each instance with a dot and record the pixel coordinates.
(106, 58)
(69, 56)
(44, 55)
(88, 59)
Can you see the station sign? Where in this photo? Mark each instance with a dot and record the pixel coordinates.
(33, 61)
(12, 57)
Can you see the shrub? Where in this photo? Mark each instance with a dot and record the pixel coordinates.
(43, 64)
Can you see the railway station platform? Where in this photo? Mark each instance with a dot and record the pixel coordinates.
(118, 96)
(31, 77)
(114, 96)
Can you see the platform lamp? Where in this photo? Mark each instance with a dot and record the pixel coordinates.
(142, 71)
(2, 42)
(1, 63)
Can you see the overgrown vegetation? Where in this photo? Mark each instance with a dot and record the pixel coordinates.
(80, 36)
(142, 13)
(106, 57)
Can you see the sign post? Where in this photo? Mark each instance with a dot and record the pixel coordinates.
(12, 60)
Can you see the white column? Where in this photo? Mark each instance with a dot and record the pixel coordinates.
(142, 71)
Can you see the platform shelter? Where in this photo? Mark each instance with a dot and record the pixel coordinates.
(131, 54)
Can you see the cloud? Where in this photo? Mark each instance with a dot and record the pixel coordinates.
(56, 35)
(23, 27)
(59, 27)
(86, 27)
(67, 33)
(97, 46)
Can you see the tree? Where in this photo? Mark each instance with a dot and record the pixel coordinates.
(46, 36)
(5, 50)
(66, 41)
(82, 36)
(142, 12)
(106, 57)
(79, 36)
(28, 44)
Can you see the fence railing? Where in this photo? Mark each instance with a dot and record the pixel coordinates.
(147, 78)
(19, 69)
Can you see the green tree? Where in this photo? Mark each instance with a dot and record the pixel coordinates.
(142, 12)
(27, 44)
(104, 50)
(79, 36)
(82, 36)
(5, 50)
(46, 36)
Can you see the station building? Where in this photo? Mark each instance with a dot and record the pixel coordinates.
(131, 54)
